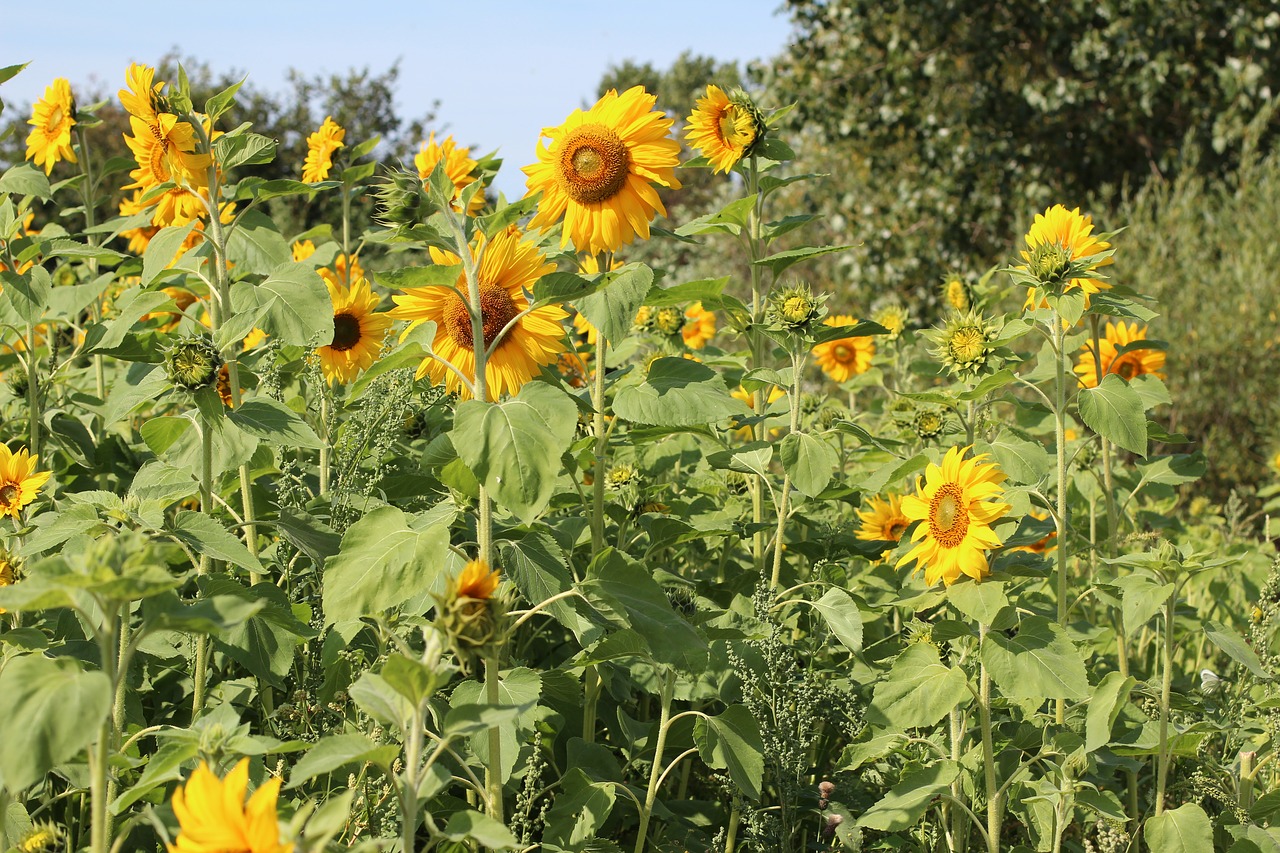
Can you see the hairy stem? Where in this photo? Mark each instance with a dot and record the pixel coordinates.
(655, 774)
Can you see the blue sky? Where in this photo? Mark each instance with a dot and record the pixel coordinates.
(501, 69)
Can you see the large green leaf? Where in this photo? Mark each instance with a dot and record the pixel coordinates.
(265, 643)
(255, 245)
(514, 447)
(908, 800)
(386, 559)
(1236, 648)
(612, 307)
(274, 422)
(843, 617)
(536, 564)
(50, 709)
(919, 691)
(1040, 662)
(1185, 829)
(1108, 700)
(732, 741)
(678, 392)
(205, 535)
(336, 751)
(1114, 411)
(580, 809)
(296, 305)
(810, 461)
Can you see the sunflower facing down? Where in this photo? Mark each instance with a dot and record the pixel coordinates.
(721, 129)
(883, 520)
(357, 331)
(19, 480)
(214, 817)
(955, 503)
(320, 148)
(599, 171)
(52, 118)
(844, 358)
(458, 165)
(510, 266)
(1127, 365)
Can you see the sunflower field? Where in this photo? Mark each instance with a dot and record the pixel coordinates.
(468, 531)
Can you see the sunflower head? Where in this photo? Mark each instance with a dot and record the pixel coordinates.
(402, 201)
(214, 816)
(52, 118)
(956, 503)
(794, 309)
(1122, 351)
(599, 171)
(192, 363)
(42, 837)
(358, 331)
(320, 148)
(724, 128)
(622, 475)
(1063, 253)
(893, 317)
(470, 616)
(645, 318)
(844, 358)
(668, 321)
(457, 166)
(883, 520)
(956, 293)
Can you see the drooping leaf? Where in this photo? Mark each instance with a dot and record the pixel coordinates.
(731, 740)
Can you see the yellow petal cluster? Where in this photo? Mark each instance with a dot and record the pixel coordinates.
(20, 482)
(214, 817)
(52, 118)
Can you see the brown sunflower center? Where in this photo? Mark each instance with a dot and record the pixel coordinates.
(346, 331)
(9, 494)
(843, 353)
(594, 163)
(948, 517)
(895, 529)
(1125, 366)
(497, 309)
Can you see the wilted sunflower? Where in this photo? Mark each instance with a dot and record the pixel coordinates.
(510, 266)
(722, 129)
(1056, 238)
(357, 331)
(52, 118)
(19, 480)
(214, 817)
(458, 165)
(320, 148)
(599, 171)
(883, 520)
(1127, 365)
(699, 326)
(956, 506)
(844, 358)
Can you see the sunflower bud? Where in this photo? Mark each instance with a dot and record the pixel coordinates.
(41, 837)
(893, 317)
(192, 363)
(621, 476)
(402, 201)
(736, 482)
(668, 321)
(955, 292)
(963, 345)
(794, 309)
(644, 319)
(10, 570)
(1050, 263)
(18, 380)
(473, 620)
(929, 423)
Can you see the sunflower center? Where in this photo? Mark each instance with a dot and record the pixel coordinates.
(843, 353)
(594, 164)
(948, 518)
(497, 309)
(346, 331)
(1126, 367)
(967, 344)
(728, 127)
(9, 494)
(895, 529)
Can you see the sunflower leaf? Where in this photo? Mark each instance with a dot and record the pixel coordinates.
(612, 307)
(1114, 410)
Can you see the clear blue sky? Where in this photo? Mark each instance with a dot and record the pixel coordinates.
(501, 69)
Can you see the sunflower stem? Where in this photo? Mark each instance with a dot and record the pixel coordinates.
(1059, 430)
(409, 783)
(206, 506)
(89, 195)
(783, 510)
(33, 393)
(324, 442)
(759, 400)
(601, 446)
(988, 752)
(655, 773)
(1166, 689)
(493, 766)
(100, 820)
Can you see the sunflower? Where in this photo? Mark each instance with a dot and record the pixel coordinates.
(476, 581)
(747, 433)
(357, 331)
(883, 520)
(844, 358)
(142, 97)
(320, 148)
(599, 170)
(956, 504)
(720, 129)
(53, 116)
(894, 318)
(509, 267)
(19, 480)
(1057, 237)
(214, 817)
(166, 153)
(699, 326)
(458, 165)
(1127, 365)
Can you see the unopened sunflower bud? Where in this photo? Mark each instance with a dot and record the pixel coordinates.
(18, 383)
(668, 321)
(1050, 263)
(955, 292)
(41, 837)
(402, 201)
(893, 317)
(929, 423)
(794, 309)
(192, 363)
(621, 476)
(644, 319)
(964, 344)
(469, 615)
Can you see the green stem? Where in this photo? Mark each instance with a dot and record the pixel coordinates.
(783, 508)
(409, 784)
(601, 446)
(958, 839)
(1245, 793)
(206, 563)
(33, 394)
(1060, 429)
(651, 795)
(591, 696)
(1166, 688)
(100, 832)
(988, 754)
(759, 400)
(731, 837)
(89, 195)
(324, 441)
(493, 767)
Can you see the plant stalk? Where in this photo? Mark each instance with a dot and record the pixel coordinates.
(988, 754)
(655, 774)
(1166, 688)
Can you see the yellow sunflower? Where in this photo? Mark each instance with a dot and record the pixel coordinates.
(458, 165)
(956, 504)
(883, 520)
(320, 148)
(894, 318)
(19, 480)
(357, 331)
(214, 817)
(599, 171)
(746, 433)
(699, 326)
(166, 152)
(720, 129)
(510, 266)
(1071, 233)
(143, 95)
(52, 118)
(844, 358)
(1127, 365)
(476, 581)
